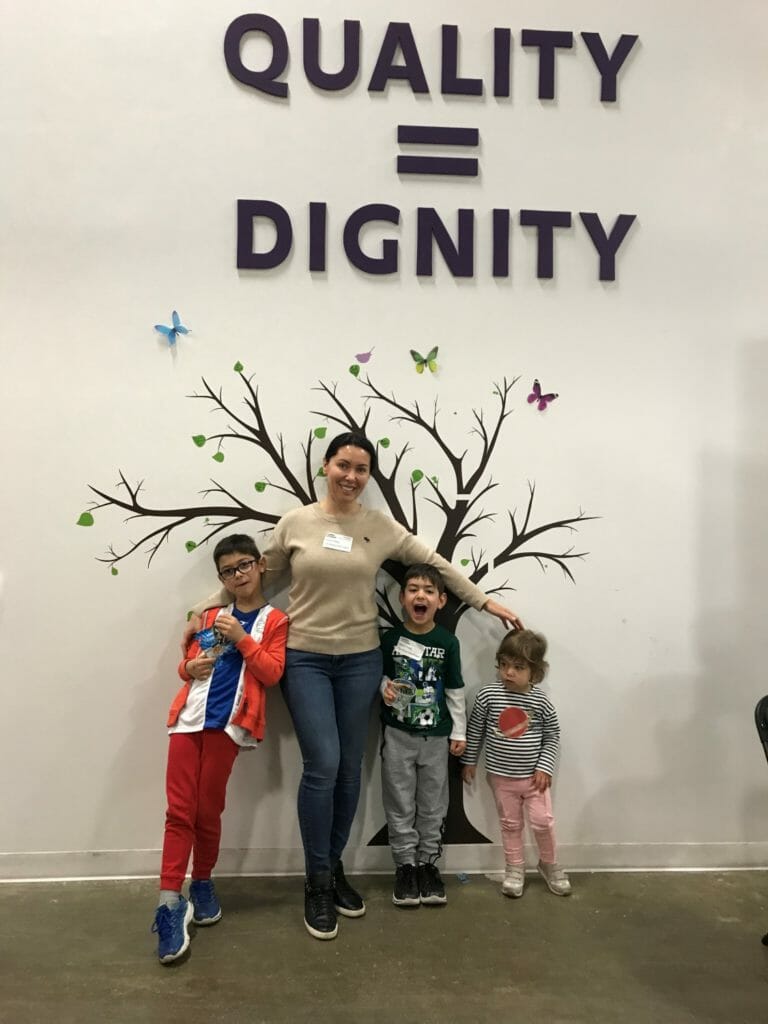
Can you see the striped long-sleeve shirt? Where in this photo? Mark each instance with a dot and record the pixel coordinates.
(520, 756)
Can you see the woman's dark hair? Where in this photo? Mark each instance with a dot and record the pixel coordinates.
(235, 544)
(355, 441)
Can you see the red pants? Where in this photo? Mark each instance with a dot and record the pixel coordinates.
(199, 766)
(511, 796)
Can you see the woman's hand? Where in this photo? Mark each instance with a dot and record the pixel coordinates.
(468, 773)
(507, 616)
(193, 626)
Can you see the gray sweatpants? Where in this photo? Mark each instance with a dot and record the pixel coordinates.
(414, 784)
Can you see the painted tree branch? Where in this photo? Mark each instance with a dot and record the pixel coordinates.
(463, 515)
(238, 512)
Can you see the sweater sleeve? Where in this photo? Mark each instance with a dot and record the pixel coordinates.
(411, 549)
(550, 740)
(266, 660)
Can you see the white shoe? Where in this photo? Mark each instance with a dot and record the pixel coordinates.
(514, 880)
(556, 879)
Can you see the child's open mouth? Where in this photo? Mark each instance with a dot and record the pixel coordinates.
(420, 609)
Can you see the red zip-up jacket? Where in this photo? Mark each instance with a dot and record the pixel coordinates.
(263, 665)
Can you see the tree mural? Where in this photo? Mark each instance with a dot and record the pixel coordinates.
(459, 496)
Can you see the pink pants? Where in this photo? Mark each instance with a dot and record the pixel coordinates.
(199, 765)
(511, 796)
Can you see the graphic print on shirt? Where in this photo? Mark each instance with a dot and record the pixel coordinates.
(212, 701)
(512, 723)
(418, 670)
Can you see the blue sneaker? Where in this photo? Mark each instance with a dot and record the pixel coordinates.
(203, 897)
(172, 927)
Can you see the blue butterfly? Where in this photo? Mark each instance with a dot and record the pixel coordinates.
(171, 333)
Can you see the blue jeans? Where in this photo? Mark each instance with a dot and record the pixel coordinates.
(329, 697)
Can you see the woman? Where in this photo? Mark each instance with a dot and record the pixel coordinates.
(333, 550)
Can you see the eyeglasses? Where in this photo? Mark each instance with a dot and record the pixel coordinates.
(241, 567)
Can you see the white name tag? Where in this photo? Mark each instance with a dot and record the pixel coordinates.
(337, 542)
(409, 648)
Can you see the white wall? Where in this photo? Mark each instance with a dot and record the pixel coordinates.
(125, 146)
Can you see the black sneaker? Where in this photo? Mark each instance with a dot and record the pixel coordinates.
(319, 911)
(431, 888)
(347, 900)
(406, 890)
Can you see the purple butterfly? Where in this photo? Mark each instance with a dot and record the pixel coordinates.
(171, 333)
(541, 400)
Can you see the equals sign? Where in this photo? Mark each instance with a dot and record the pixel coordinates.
(432, 135)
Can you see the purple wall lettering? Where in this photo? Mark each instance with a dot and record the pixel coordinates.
(318, 216)
(351, 66)
(501, 243)
(545, 222)
(458, 253)
(502, 47)
(264, 81)
(547, 42)
(398, 58)
(398, 37)
(450, 83)
(608, 67)
(247, 211)
(459, 257)
(387, 262)
(607, 245)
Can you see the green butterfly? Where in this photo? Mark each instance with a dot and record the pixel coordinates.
(421, 361)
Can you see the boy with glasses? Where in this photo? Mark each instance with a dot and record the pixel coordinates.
(238, 651)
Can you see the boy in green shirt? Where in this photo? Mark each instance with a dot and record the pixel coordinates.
(423, 718)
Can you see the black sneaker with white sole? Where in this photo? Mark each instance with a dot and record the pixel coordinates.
(405, 892)
(347, 900)
(319, 909)
(431, 888)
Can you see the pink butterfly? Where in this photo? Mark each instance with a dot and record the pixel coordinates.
(541, 400)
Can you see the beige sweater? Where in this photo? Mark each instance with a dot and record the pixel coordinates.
(333, 562)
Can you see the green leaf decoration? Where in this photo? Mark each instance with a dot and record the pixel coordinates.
(199, 439)
(260, 486)
(218, 457)
(321, 472)
(113, 570)
(354, 370)
(238, 367)
(86, 519)
(190, 545)
(465, 561)
(434, 480)
(320, 432)
(384, 442)
(417, 475)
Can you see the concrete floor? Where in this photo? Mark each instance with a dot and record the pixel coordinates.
(659, 948)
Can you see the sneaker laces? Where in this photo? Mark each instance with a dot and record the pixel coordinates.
(321, 901)
(163, 923)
